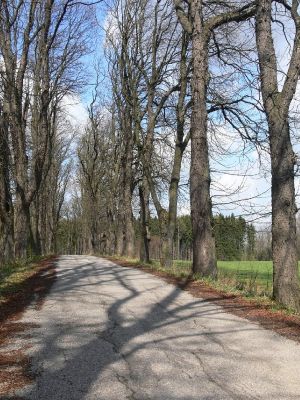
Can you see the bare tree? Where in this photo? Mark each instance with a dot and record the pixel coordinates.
(277, 103)
(194, 20)
(149, 61)
(41, 44)
(167, 216)
(17, 32)
(121, 40)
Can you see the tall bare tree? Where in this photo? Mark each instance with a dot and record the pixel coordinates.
(17, 31)
(277, 102)
(200, 24)
(40, 45)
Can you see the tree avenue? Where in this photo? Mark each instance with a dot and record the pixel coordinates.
(175, 93)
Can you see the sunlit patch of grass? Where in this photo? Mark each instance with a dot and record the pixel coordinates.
(12, 274)
(252, 278)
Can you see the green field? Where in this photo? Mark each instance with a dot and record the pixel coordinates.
(257, 276)
(252, 277)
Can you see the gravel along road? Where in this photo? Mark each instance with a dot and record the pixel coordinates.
(112, 333)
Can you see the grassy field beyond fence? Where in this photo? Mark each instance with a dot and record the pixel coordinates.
(252, 277)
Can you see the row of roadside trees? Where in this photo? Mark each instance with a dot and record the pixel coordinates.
(41, 47)
(178, 75)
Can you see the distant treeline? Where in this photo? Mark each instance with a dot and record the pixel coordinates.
(235, 238)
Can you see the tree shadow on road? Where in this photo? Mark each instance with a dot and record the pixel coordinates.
(159, 351)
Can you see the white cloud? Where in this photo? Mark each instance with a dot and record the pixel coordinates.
(75, 110)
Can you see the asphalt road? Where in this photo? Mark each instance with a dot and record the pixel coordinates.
(112, 333)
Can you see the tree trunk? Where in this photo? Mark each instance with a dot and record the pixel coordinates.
(204, 261)
(166, 240)
(38, 215)
(165, 248)
(6, 207)
(119, 236)
(180, 147)
(127, 172)
(277, 102)
(286, 288)
(21, 228)
(173, 200)
(144, 225)
(129, 250)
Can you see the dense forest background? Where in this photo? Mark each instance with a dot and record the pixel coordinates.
(235, 239)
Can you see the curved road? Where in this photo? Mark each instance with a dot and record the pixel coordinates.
(112, 333)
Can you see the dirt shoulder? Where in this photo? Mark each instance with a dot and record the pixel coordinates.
(14, 364)
(251, 309)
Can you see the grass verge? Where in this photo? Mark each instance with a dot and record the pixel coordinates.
(14, 274)
(251, 277)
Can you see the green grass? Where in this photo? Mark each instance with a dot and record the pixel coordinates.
(243, 273)
(255, 276)
(249, 277)
(13, 274)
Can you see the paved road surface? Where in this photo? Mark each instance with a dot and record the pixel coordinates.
(112, 333)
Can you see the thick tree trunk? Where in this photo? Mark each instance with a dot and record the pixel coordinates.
(6, 236)
(6, 207)
(22, 213)
(286, 287)
(26, 243)
(204, 260)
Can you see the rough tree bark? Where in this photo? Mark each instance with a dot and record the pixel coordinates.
(6, 206)
(204, 257)
(193, 22)
(17, 107)
(286, 288)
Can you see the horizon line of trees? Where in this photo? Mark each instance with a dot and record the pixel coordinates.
(235, 238)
